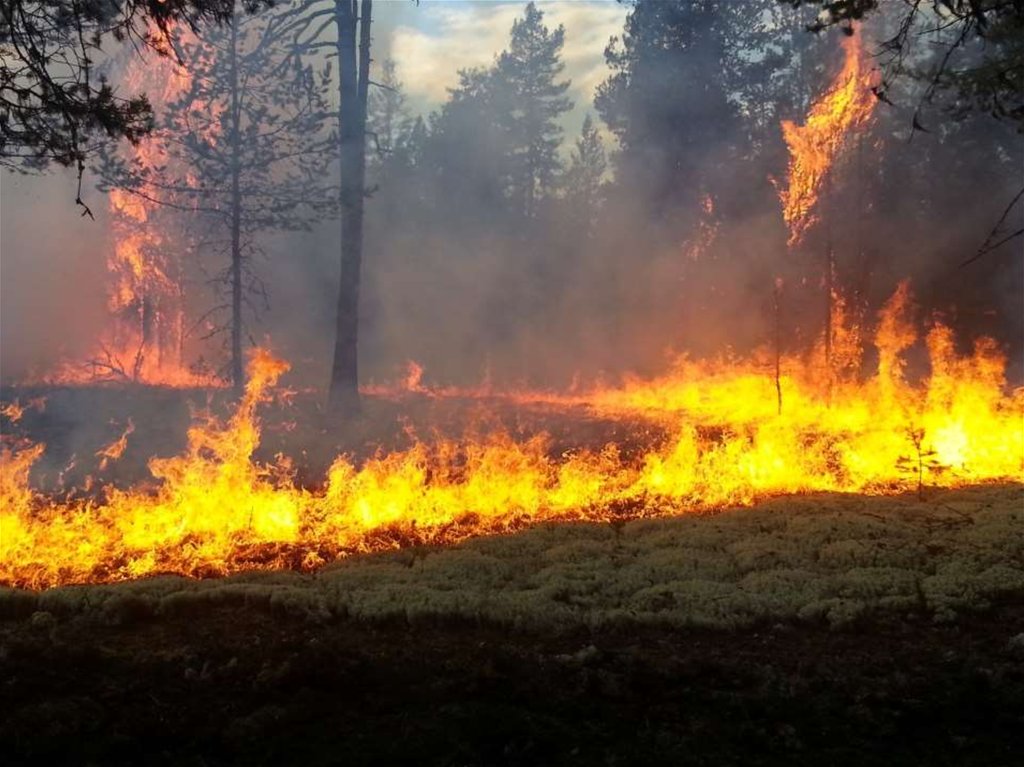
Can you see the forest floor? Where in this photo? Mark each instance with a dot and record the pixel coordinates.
(820, 629)
(241, 686)
(815, 629)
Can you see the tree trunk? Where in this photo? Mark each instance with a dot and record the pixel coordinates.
(237, 372)
(147, 321)
(830, 273)
(353, 82)
(777, 311)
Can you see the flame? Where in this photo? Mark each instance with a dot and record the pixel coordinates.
(145, 331)
(13, 411)
(814, 146)
(414, 377)
(115, 449)
(213, 510)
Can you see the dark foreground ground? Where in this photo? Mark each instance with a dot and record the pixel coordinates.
(244, 686)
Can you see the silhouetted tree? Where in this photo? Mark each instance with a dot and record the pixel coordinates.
(667, 102)
(352, 21)
(583, 180)
(497, 137)
(530, 100)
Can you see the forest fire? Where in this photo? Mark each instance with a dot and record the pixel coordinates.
(504, 383)
(214, 510)
(739, 429)
(143, 341)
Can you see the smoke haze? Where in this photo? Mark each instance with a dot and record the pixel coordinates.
(464, 279)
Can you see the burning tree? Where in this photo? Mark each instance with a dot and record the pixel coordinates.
(143, 337)
(970, 52)
(245, 148)
(814, 148)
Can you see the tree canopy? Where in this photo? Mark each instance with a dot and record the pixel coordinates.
(55, 104)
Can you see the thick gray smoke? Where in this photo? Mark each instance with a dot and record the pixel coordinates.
(488, 257)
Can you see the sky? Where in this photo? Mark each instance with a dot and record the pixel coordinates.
(431, 42)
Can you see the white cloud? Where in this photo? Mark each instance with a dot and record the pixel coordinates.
(450, 36)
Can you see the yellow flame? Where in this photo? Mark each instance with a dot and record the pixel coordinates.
(814, 146)
(115, 449)
(143, 287)
(214, 510)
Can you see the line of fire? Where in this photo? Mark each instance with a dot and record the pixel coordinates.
(359, 304)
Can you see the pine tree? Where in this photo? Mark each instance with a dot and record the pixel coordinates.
(54, 105)
(584, 178)
(531, 100)
(245, 147)
(497, 137)
(387, 117)
(667, 101)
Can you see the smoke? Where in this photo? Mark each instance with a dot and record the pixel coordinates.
(52, 281)
(458, 280)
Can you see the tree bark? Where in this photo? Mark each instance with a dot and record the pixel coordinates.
(237, 372)
(353, 82)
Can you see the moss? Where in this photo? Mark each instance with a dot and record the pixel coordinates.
(825, 559)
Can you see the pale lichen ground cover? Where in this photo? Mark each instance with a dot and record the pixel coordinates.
(820, 558)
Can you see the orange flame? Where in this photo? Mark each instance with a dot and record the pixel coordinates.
(13, 411)
(215, 510)
(115, 449)
(814, 146)
(145, 297)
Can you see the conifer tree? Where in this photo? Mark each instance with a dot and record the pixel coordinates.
(583, 180)
(246, 149)
(531, 100)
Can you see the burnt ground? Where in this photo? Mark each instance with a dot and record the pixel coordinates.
(243, 686)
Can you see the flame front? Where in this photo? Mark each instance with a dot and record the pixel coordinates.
(814, 146)
(214, 510)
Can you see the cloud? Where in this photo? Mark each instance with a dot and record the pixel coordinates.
(450, 36)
